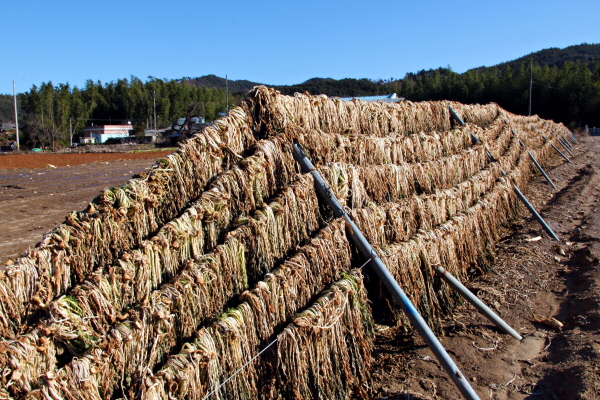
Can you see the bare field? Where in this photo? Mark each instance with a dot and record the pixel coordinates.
(35, 199)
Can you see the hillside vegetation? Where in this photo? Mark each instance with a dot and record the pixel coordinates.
(566, 88)
(7, 111)
(50, 111)
(566, 85)
(555, 57)
(213, 81)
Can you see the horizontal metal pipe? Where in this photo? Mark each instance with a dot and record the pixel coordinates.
(471, 298)
(387, 278)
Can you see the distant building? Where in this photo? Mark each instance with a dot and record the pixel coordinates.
(7, 126)
(101, 133)
(152, 135)
(387, 98)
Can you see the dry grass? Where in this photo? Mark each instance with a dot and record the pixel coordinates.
(129, 297)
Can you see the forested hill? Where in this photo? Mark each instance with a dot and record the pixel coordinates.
(343, 88)
(555, 57)
(7, 111)
(329, 86)
(213, 81)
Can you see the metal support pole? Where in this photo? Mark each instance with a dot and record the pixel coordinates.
(573, 138)
(226, 95)
(530, 86)
(526, 202)
(567, 141)
(16, 116)
(387, 278)
(535, 214)
(456, 117)
(564, 146)
(539, 167)
(559, 152)
(471, 298)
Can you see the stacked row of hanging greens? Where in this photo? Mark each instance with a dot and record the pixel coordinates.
(171, 284)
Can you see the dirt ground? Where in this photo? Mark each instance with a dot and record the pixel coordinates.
(36, 197)
(532, 278)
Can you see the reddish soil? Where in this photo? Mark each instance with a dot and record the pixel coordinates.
(530, 277)
(12, 161)
(36, 199)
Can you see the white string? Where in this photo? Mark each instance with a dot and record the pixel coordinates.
(263, 350)
(368, 261)
(240, 369)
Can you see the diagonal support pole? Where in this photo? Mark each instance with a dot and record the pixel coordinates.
(562, 143)
(567, 142)
(525, 201)
(387, 278)
(456, 117)
(535, 162)
(471, 298)
(539, 167)
(558, 151)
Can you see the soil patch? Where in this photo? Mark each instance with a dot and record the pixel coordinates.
(12, 161)
(36, 199)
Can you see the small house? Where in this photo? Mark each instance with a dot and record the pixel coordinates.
(101, 133)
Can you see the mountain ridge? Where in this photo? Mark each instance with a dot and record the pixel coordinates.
(553, 56)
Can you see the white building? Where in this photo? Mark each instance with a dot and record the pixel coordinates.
(101, 133)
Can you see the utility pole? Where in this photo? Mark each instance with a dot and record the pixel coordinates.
(71, 131)
(227, 95)
(16, 115)
(155, 110)
(530, 85)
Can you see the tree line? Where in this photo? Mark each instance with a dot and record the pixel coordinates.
(50, 113)
(569, 94)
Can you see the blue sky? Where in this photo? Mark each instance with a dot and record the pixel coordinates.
(276, 42)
